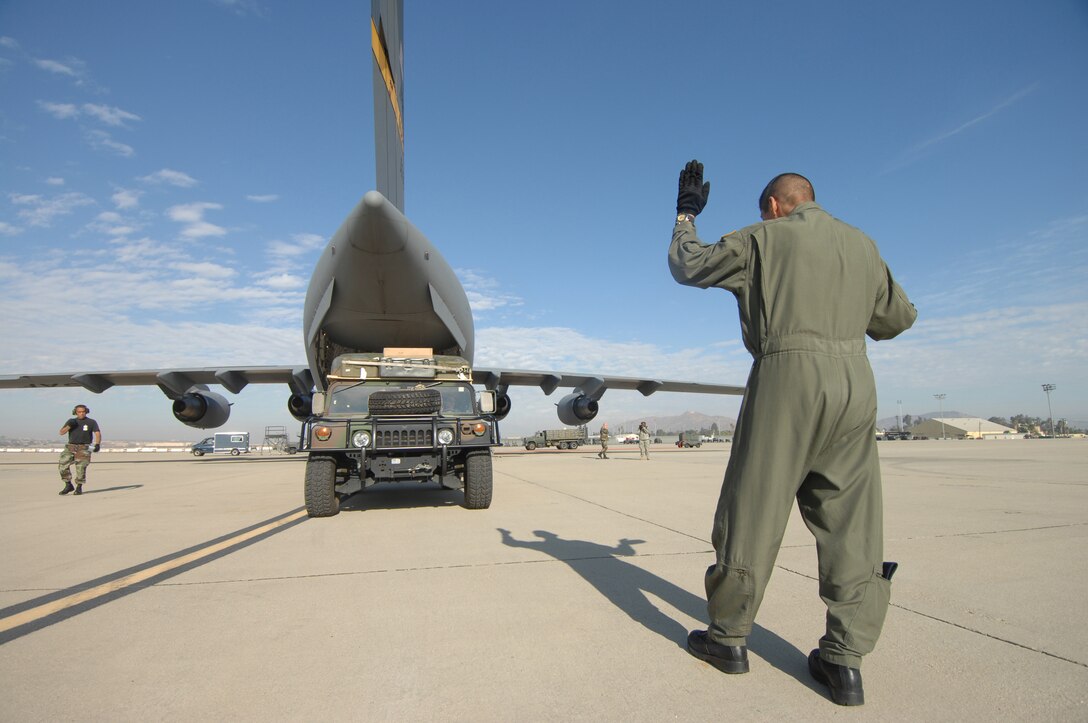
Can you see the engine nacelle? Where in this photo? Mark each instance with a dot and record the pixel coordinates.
(202, 410)
(502, 405)
(301, 406)
(576, 409)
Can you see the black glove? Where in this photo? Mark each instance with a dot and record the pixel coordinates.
(97, 447)
(693, 193)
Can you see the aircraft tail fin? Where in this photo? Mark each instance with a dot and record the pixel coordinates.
(386, 42)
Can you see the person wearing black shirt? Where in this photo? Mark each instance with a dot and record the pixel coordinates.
(84, 437)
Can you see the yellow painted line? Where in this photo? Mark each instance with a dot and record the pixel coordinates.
(383, 64)
(37, 613)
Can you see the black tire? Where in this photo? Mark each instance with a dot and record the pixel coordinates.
(292, 450)
(478, 480)
(406, 401)
(234, 452)
(197, 453)
(321, 487)
(530, 446)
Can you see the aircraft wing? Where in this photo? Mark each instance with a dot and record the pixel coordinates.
(592, 385)
(173, 382)
(235, 379)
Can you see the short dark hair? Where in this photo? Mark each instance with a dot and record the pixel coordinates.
(792, 188)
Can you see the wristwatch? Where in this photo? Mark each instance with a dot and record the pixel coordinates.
(681, 217)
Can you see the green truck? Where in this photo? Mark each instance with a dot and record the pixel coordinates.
(405, 415)
(566, 438)
(689, 439)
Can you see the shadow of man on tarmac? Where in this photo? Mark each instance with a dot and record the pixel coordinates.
(629, 587)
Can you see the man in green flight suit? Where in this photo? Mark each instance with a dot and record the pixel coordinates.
(809, 288)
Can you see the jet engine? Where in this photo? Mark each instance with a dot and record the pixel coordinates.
(502, 405)
(300, 406)
(576, 409)
(202, 409)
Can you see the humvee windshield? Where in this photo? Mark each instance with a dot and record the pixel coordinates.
(351, 398)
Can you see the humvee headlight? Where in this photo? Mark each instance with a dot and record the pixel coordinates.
(361, 438)
(445, 436)
(323, 434)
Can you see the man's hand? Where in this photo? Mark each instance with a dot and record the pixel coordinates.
(97, 447)
(693, 193)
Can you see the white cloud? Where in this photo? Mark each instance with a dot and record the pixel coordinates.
(7, 42)
(125, 198)
(192, 216)
(55, 66)
(266, 198)
(6, 229)
(483, 292)
(191, 212)
(916, 151)
(300, 244)
(40, 211)
(205, 270)
(170, 177)
(109, 115)
(54, 181)
(101, 140)
(282, 281)
(61, 111)
(113, 224)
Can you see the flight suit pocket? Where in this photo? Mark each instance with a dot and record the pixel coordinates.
(868, 621)
(730, 599)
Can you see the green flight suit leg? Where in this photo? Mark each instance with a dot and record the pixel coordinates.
(801, 409)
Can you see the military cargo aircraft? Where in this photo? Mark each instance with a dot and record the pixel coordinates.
(379, 283)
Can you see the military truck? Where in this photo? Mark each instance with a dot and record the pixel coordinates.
(566, 438)
(689, 439)
(405, 415)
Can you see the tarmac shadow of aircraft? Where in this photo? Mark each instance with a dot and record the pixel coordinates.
(629, 587)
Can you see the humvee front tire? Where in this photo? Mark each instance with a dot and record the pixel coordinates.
(321, 487)
(478, 480)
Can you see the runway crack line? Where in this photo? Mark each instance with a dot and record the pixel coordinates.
(954, 624)
(610, 509)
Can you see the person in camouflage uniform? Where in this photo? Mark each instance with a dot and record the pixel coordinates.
(809, 289)
(603, 454)
(84, 436)
(643, 441)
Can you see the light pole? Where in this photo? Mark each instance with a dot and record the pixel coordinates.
(940, 405)
(1048, 388)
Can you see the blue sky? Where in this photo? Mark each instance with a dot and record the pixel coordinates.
(169, 173)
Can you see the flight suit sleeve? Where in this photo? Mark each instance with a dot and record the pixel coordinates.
(892, 313)
(723, 264)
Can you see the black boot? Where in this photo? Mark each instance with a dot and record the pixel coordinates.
(67, 488)
(79, 489)
(726, 658)
(843, 682)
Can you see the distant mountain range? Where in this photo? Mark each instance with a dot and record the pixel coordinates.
(675, 424)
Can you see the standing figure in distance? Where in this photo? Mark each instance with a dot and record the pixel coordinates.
(603, 454)
(809, 289)
(82, 432)
(643, 441)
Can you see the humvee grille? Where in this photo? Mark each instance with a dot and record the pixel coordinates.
(406, 436)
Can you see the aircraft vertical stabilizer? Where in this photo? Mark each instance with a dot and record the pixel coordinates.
(386, 42)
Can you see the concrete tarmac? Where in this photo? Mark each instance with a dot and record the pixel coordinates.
(196, 589)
